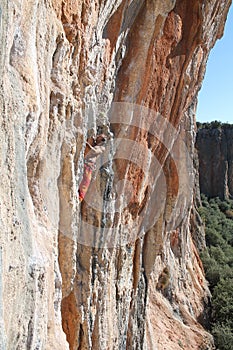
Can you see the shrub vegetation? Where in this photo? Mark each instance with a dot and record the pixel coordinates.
(218, 263)
(216, 124)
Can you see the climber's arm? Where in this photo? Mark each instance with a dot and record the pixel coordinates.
(91, 147)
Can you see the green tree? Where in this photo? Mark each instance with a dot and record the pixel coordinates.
(222, 302)
(218, 263)
(223, 336)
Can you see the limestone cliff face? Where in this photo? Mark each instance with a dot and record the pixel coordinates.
(215, 152)
(119, 270)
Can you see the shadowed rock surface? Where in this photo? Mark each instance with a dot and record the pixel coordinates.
(215, 152)
(90, 275)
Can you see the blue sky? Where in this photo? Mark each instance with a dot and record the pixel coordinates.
(215, 99)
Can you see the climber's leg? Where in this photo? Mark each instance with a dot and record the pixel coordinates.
(85, 183)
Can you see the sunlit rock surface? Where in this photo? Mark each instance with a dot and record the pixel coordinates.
(120, 270)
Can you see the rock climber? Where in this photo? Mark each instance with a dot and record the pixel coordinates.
(94, 148)
(164, 279)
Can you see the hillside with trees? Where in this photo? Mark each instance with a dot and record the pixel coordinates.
(217, 216)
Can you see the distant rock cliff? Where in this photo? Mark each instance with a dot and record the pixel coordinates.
(121, 269)
(215, 152)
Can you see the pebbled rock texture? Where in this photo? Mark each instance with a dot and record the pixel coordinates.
(215, 153)
(120, 270)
